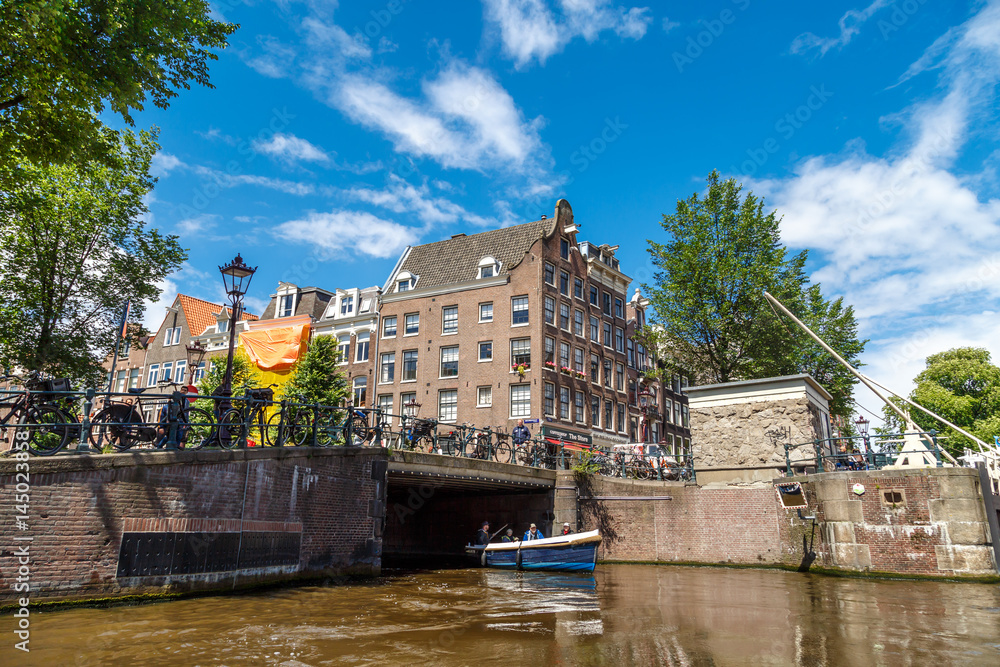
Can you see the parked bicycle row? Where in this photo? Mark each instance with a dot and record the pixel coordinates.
(56, 418)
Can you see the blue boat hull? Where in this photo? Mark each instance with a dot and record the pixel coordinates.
(577, 558)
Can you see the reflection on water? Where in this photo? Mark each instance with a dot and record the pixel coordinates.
(621, 615)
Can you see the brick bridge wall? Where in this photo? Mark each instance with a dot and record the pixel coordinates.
(114, 525)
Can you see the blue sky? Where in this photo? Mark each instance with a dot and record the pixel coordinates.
(338, 134)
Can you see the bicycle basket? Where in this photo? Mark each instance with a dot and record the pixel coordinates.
(423, 427)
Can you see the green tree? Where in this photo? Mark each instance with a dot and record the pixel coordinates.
(711, 318)
(64, 62)
(961, 385)
(317, 377)
(74, 247)
(245, 372)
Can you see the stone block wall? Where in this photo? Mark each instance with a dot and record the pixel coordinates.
(291, 513)
(932, 521)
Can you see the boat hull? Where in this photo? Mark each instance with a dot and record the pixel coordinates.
(572, 553)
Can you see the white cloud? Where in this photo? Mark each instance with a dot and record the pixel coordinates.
(197, 225)
(272, 59)
(906, 238)
(289, 148)
(850, 25)
(532, 30)
(402, 197)
(342, 233)
(669, 25)
(466, 121)
(163, 163)
(224, 180)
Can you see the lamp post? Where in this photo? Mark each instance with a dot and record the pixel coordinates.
(195, 355)
(646, 409)
(862, 425)
(236, 277)
(411, 408)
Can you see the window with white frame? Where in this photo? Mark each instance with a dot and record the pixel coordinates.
(621, 417)
(486, 350)
(595, 368)
(360, 392)
(619, 308)
(607, 335)
(385, 405)
(519, 310)
(484, 396)
(619, 339)
(222, 326)
(550, 274)
(607, 373)
(580, 407)
(404, 399)
(409, 366)
(286, 305)
(389, 327)
(488, 267)
(677, 412)
(593, 295)
(687, 420)
(486, 312)
(448, 405)
(180, 371)
(595, 329)
(520, 352)
(344, 348)
(550, 310)
(563, 355)
(449, 361)
(346, 305)
(609, 415)
(387, 368)
(550, 350)
(595, 412)
(578, 288)
(449, 320)
(564, 316)
(412, 324)
(578, 322)
(549, 403)
(578, 360)
(520, 400)
(564, 283)
(134, 376)
(171, 336)
(620, 376)
(167, 372)
(361, 347)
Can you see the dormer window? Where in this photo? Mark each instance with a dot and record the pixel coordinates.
(405, 281)
(488, 267)
(286, 305)
(347, 305)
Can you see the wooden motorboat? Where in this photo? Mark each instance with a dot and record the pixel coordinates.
(575, 553)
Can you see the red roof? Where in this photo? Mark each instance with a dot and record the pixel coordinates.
(201, 314)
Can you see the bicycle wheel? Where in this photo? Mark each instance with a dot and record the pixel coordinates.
(114, 426)
(48, 429)
(197, 428)
(327, 430)
(502, 452)
(231, 429)
(359, 427)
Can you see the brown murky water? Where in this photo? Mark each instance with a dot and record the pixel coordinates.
(623, 615)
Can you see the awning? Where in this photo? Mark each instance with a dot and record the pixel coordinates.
(275, 348)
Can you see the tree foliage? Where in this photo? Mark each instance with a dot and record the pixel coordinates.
(244, 373)
(961, 385)
(64, 62)
(74, 247)
(318, 376)
(722, 253)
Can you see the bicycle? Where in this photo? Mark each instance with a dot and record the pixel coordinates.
(417, 433)
(121, 424)
(290, 424)
(47, 427)
(247, 418)
(503, 450)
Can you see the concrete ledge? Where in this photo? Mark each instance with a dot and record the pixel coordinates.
(967, 532)
(854, 556)
(840, 532)
(959, 487)
(843, 510)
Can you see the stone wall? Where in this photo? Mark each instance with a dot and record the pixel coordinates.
(932, 523)
(153, 522)
(751, 436)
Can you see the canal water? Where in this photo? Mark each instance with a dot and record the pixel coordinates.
(621, 615)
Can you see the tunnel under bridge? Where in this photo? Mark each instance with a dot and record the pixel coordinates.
(435, 504)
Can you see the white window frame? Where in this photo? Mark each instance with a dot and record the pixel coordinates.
(363, 342)
(479, 349)
(281, 305)
(482, 306)
(450, 351)
(522, 407)
(395, 326)
(488, 403)
(452, 405)
(445, 321)
(406, 324)
(526, 309)
(402, 366)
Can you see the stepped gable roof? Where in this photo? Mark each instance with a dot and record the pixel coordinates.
(201, 314)
(456, 260)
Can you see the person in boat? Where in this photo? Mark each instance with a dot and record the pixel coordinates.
(566, 530)
(483, 536)
(509, 536)
(532, 534)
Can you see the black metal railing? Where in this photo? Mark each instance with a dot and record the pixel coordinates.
(45, 421)
(862, 452)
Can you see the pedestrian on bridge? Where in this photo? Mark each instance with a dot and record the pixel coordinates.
(520, 434)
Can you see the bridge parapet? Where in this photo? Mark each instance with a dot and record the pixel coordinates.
(460, 473)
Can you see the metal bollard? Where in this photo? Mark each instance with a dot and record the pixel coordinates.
(377, 415)
(173, 417)
(819, 456)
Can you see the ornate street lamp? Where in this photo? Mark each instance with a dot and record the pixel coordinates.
(647, 408)
(862, 425)
(195, 355)
(236, 277)
(411, 408)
